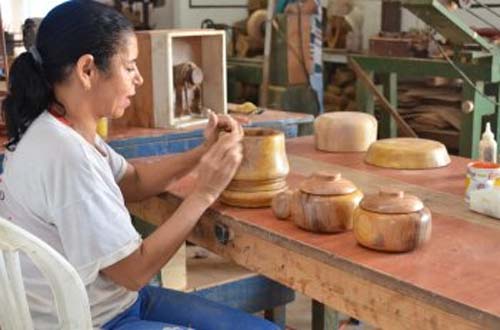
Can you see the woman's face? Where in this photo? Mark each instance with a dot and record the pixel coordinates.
(114, 88)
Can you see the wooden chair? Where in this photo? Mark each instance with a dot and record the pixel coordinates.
(69, 292)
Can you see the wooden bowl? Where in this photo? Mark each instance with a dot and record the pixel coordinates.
(263, 170)
(392, 221)
(407, 153)
(264, 155)
(345, 131)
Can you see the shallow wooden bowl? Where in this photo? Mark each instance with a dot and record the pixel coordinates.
(407, 153)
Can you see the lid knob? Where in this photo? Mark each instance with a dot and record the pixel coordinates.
(327, 176)
(327, 183)
(391, 192)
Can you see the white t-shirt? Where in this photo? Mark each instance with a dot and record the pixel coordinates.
(60, 188)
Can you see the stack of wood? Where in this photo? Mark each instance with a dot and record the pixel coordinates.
(432, 111)
(340, 93)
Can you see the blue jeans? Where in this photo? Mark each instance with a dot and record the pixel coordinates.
(164, 309)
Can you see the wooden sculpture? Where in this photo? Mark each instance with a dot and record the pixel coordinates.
(187, 83)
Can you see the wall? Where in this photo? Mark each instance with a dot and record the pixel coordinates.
(177, 14)
(186, 17)
(163, 17)
(14, 12)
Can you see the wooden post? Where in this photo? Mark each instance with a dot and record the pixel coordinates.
(264, 87)
(390, 90)
(4, 49)
(391, 16)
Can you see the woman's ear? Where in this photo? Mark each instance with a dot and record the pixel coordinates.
(85, 70)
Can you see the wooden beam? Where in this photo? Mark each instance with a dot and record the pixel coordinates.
(386, 106)
(264, 87)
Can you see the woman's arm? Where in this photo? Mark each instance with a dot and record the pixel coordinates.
(149, 178)
(136, 270)
(146, 179)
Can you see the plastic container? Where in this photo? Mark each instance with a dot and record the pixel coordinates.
(481, 175)
(488, 146)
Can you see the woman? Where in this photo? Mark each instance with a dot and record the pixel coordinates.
(68, 187)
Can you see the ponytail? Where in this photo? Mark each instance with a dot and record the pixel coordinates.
(29, 94)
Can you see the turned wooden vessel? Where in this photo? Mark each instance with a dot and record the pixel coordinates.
(263, 170)
(324, 203)
(392, 221)
(407, 153)
(345, 131)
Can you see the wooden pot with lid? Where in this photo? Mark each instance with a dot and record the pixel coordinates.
(325, 203)
(392, 221)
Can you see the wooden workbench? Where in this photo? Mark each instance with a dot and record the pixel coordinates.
(453, 282)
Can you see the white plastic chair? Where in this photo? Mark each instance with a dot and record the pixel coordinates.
(69, 292)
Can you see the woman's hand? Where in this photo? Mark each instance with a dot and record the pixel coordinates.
(218, 123)
(219, 164)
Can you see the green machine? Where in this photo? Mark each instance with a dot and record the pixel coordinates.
(478, 66)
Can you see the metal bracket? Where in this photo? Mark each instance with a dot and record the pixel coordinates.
(223, 233)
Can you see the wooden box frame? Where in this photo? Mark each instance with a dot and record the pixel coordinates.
(159, 50)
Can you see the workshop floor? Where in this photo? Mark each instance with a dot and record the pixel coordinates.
(206, 269)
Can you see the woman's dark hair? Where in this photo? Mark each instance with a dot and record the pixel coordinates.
(69, 31)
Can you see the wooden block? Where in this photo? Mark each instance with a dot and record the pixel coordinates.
(288, 55)
(385, 46)
(159, 51)
(297, 31)
(173, 274)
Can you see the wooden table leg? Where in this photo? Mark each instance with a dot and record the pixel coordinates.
(324, 318)
(277, 315)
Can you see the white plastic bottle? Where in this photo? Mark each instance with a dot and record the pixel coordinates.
(488, 146)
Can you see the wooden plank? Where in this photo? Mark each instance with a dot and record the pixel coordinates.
(298, 29)
(174, 273)
(263, 99)
(391, 16)
(214, 72)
